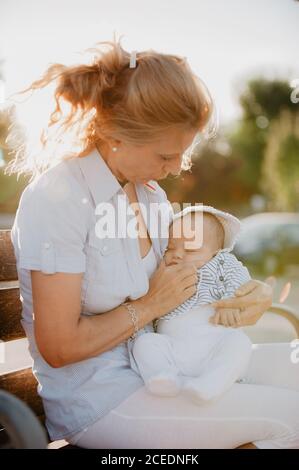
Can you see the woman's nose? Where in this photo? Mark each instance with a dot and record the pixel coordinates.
(175, 167)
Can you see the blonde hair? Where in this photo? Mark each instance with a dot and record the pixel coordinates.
(108, 99)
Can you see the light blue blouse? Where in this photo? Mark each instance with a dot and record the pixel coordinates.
(54, 231)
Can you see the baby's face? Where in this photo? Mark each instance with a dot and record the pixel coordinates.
(186, 246)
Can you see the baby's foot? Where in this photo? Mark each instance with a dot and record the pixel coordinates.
(164, 384)
(198, 392)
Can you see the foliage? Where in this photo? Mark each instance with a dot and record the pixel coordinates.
(281, 163)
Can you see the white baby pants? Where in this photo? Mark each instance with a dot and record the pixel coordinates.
(191, 355)
(263, 410)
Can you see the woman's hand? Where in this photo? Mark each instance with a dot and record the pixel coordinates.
(251, 300)
(169, 287)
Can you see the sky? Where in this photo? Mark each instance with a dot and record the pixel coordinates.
(225, 42)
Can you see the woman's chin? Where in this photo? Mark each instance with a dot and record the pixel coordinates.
(146, 180)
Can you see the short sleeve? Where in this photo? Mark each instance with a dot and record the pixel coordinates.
(50, 227)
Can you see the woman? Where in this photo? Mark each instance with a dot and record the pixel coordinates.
(84, 296)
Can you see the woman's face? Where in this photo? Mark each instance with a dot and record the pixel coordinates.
(155, 161)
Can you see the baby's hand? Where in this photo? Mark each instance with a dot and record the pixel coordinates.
(227, 317)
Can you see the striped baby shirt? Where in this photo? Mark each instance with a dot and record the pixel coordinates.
(217, 279)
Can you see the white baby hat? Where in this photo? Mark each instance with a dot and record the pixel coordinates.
(231, 225)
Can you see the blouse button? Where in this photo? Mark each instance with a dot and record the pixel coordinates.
(221, 261)
(221, 278)
(46, 245)
(105, 248)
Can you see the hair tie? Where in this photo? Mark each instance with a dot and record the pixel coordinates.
(133, 59)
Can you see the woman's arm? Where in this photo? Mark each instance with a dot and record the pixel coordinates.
(253, 298)
(63, 336)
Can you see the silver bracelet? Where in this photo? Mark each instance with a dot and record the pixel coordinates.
(134, 318)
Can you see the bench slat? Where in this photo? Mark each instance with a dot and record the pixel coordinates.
(8, 269)
(10, 314)
(23, 384)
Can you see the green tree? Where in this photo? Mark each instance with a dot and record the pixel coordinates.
(280, 170)
(262, 102)
(11, 186)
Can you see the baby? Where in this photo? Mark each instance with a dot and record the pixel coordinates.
(188, 353)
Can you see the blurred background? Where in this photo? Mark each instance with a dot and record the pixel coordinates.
(246, 51)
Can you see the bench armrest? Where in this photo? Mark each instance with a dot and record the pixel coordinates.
(287, 312)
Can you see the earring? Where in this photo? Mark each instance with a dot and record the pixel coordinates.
(114, 149)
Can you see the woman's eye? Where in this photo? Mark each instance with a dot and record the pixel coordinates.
(164, 158)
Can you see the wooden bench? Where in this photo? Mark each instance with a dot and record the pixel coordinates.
(20, 381)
